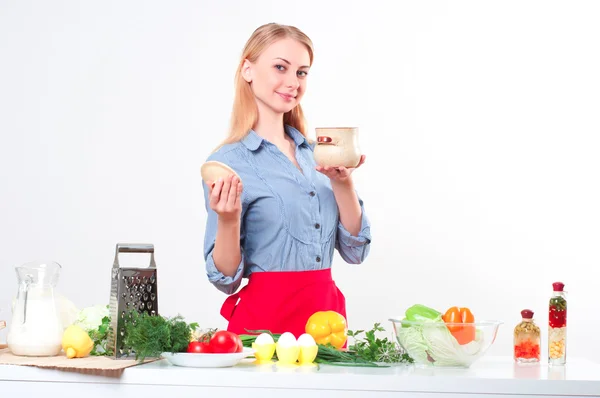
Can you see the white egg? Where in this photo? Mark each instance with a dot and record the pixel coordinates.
(264, 338)
(306, 340)
(287, 340)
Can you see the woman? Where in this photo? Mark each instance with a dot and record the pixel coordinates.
(280, 230)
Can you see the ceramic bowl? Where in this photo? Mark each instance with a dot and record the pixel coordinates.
(337, 146)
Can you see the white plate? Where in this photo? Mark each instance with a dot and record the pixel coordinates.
(198, 360)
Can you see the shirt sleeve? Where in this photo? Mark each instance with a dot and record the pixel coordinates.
(226, 284)
(354, 249)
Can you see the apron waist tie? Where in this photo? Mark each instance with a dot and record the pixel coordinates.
(229, 305)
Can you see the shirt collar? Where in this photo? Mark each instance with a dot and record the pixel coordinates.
(296, 135)
(252, 140)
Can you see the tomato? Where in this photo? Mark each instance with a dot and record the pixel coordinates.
(198, 347)
(224, 342)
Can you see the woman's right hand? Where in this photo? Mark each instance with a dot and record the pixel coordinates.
(226, 198)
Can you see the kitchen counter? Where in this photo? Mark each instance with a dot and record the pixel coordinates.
(490, 377)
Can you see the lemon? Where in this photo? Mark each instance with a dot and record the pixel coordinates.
(76, 342)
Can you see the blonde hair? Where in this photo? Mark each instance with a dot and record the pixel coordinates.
(244, 115)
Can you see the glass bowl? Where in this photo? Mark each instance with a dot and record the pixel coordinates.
(442, 344)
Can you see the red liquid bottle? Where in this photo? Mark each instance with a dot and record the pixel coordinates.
(557, 326)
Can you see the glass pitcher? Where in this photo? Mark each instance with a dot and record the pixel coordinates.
(36, 328)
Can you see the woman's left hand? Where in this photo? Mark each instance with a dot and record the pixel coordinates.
(340, 174)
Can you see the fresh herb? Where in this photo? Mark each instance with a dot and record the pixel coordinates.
(248, 339)
(151, 335)
(329, 355)
(374, 349)
(100, 338)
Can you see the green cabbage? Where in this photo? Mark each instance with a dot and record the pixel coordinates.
(430, 342)
(90, 318)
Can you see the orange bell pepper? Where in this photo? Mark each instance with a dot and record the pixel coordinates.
(455, 316)
(328, 327)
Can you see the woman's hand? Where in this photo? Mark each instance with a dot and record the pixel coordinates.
(340, 174)
(225, 198)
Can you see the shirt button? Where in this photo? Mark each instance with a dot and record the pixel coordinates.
(318, 259)
(317, 226)
(312, 193)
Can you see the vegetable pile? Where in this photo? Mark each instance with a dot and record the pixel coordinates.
(95, 321)
(147, 336)
(216, 342)
(432, 337)
(370, 351)
(326, 334)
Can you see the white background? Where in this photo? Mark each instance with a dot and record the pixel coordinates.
(479, 120)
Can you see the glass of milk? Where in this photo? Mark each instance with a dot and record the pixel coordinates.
(36, 328)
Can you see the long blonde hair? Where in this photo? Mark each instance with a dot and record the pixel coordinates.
(244, 115)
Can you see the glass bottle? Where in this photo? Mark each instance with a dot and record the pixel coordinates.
(527, 339)
(557, 326)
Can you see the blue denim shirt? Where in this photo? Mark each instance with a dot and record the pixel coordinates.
(290, 219)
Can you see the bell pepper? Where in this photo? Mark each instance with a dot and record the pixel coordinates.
(419, 312)
(454, 317)
(328, 327)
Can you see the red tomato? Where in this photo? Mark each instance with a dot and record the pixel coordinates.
(198, 347)
(240, 345)
(224, 342)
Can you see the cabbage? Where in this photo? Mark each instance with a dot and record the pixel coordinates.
(90, 318)
(432, 343)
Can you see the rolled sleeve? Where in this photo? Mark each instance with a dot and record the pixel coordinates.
(354, 249)
(226, 284)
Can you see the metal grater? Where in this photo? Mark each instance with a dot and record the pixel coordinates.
(132, 288)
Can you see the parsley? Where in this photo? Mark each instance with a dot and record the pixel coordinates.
(374, 349)
(100, 338)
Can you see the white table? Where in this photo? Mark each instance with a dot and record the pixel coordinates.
(491, 377)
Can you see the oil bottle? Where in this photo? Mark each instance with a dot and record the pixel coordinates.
(557, 325)
(527, 339)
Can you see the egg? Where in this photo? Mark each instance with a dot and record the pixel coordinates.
(308, 349)
(306, 340)
(264, 338)
(287, 340)
(287, 349)
(264, 348)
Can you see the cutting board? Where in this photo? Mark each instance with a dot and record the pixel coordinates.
(96, 365)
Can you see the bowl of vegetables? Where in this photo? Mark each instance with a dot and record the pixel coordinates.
(453, 339)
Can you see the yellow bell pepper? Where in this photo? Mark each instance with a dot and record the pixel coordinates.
(328, 327)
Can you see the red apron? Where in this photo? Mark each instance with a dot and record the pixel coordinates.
(282, 301)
